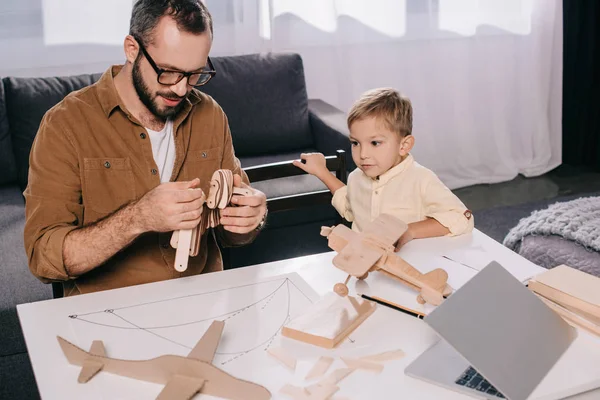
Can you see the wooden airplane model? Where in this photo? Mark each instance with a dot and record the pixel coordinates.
(183, 377)
(373, 250)
(187, 241)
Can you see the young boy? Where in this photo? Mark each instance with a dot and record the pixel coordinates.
(388, 180)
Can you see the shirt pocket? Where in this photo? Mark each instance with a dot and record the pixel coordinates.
(108, 184)
(202, 164)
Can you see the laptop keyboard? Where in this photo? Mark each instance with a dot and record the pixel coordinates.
(474, 380)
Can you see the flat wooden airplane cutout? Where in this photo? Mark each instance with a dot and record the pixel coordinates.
(373, 250)
(187, 241)
(183, 377)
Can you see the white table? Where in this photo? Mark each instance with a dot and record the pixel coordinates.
(386, 328)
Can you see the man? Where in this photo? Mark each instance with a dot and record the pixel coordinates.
(118, 166)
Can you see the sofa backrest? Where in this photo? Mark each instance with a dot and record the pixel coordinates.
(8, 165)
(27, 100)
(264, 97)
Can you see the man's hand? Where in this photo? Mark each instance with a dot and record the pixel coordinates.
(247, 212)
(170, 206)
(314, 164)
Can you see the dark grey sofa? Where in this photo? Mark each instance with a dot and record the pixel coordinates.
(271, 120)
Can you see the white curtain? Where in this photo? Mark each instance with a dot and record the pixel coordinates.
(484, 76)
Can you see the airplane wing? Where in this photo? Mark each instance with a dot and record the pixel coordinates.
(207, 345)
(387, 228)
(181, 387)
(356, 258)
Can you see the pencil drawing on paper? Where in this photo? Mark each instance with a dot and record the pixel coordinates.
(254, 315)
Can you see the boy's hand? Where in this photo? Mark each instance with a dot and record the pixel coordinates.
(249, 212)
(312, 163)
(405, 238)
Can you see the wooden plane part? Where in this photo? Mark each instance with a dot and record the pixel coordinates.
(219, 196)
(373, 249)
(387, 230)
(181, 387)
(183, 249)
(357, 258)
(183, 377)
(206, 347)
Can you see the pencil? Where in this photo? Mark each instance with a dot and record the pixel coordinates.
(396, 307)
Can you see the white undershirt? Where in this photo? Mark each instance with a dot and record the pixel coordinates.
(163, 150)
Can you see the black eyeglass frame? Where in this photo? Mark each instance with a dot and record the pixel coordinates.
(159, 71)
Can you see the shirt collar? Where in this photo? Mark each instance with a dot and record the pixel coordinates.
(395, 171)
(109, 98)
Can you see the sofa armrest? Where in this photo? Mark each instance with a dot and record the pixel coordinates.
(329, 129)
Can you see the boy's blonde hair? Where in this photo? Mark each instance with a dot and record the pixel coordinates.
(386, 104)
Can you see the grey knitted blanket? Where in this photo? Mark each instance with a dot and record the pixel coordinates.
(576, 220)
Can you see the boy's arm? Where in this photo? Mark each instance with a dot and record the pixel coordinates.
(440, 204)
(445, 214)
(315, 164)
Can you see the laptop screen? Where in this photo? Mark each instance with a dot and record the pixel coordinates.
(503, 330)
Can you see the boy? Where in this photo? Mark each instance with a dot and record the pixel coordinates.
(387, 179)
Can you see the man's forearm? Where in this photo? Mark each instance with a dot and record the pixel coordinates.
(91, 246)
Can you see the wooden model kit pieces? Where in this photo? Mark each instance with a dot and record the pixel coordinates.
(386, 356)
(373, 250)
(329, 321)
(183, 377)
(220, 194)
(283, 357)
(362, 364)
(320, 368)
(315, 392)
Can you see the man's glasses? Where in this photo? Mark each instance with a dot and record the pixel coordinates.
(170, 77)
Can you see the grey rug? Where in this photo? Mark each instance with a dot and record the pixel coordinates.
(576, 220)
(498, 221)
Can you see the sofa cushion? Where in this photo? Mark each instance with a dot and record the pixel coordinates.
(16, 378)
(17, 284)
(27, 100)
(264, 97)
(8, 165)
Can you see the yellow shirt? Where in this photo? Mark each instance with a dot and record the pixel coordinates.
(408, 191)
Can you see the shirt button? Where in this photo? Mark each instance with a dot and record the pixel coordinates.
(204, 155)
(107, 164)
(154, 171)
(143, 135)
(376, 192)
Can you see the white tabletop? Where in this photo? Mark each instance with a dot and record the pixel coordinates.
(386, 329)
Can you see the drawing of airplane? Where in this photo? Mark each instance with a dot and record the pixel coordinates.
(373, 249)
(183, 377)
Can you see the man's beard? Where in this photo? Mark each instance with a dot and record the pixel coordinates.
(149, 101)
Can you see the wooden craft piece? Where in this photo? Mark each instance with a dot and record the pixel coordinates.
(314, 392)
(337, 376)
(571, 288)
(329, 321)
(386, 356)
(283, 357)
(571, 317)
(183, 249)
(182, 377)
(373, 250)
(220, 192)
(219, 197)
(320, 368)
(362, 364)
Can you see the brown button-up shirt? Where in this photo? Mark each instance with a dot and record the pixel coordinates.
(90, 157)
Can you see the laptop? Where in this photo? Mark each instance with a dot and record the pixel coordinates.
(498, 339)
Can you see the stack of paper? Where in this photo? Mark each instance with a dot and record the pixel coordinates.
(573, 294)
